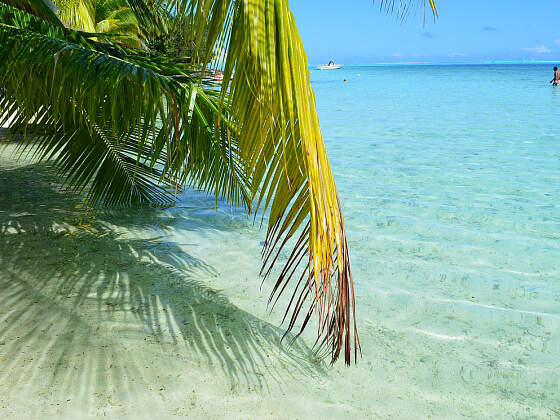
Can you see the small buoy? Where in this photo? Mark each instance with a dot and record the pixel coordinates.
(359, 75)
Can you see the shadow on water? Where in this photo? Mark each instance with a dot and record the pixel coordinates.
(76, 298)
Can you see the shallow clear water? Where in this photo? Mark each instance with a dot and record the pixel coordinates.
(450, 182)
(449, 177)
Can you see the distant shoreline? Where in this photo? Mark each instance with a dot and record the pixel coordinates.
(446, 63)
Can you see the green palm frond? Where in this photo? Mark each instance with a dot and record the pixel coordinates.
(148, 16)
(117, 18)
(22, 20)
(114, 125)
(107, 165)
(44, 9)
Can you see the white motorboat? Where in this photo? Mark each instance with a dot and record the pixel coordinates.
(330, 66)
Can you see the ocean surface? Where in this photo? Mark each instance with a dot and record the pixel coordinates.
(449, 177)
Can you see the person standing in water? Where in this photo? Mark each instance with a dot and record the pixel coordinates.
(556, 79)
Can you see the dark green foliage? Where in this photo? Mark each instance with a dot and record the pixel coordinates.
(179, 41)
(112, 121)
(44, 9)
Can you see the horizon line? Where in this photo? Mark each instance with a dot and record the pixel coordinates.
(449, 62)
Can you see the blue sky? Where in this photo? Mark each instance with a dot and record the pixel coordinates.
(356, 32)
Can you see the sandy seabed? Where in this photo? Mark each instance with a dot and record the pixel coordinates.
(102, 315)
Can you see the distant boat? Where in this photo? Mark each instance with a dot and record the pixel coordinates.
(330, 66)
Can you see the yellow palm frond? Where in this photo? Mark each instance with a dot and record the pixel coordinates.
(267, 77)
(78, 14)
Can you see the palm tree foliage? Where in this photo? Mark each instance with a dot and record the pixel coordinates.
(102, 16)
(177, 41)
(44, 9)
(124, 128)
(78, 14)
(116, 17)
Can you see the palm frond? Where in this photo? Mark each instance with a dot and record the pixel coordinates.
(117, 18)
(44, 9)
(257, 44)
(22, 20)
(113, 124)
(149, 17)
(267, 77)
(402, 8)
(78, 14)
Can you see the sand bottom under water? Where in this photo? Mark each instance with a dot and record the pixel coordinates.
(111, 313)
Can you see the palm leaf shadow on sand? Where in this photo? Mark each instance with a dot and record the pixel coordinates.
(64, 304)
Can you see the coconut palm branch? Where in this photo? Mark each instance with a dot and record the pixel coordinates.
(77, 14)
(44, 9)
(112, 121)
(115, 17)
(266, 74)
(255, 140)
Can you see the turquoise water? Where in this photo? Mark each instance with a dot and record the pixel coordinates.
(449, 177)
(450, 182)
